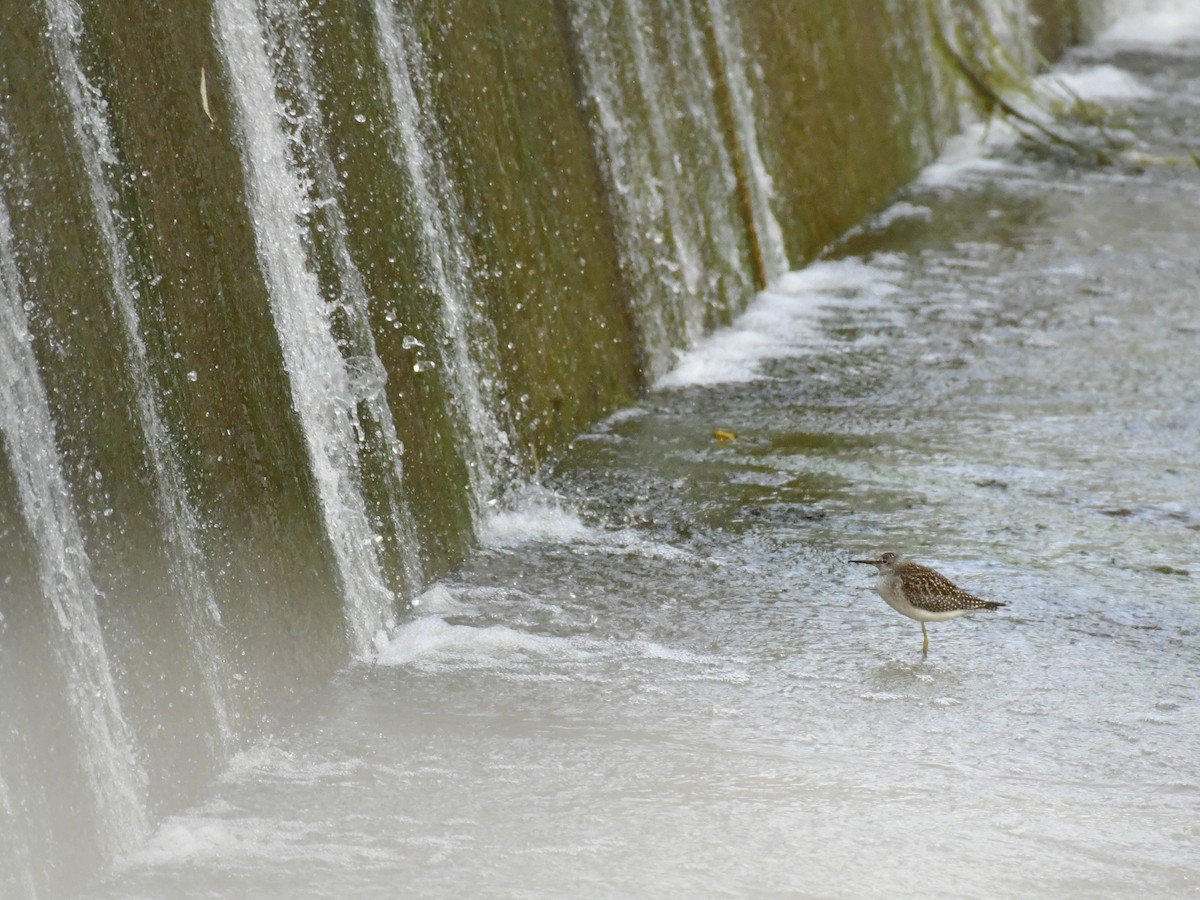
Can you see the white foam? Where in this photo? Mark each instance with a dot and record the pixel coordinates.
(431, 643)
(1160, 22)
(1104, 82)
(178, 840)
(437, 599)
(536, 521)
(603, 431)
(628, 541)
(268, 760)
(623, 415)
(223, 837)
(838, 276)
(540, 516)
(779, 322)
(971, 155)
(964, 156)
(731, 356)
(651, 650)
(467, 644)
(902, 210)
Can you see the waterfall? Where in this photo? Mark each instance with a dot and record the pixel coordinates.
(735, 72)
(326, 389)
(469, 352)
(106, 745)
(344, 289)
(672, 176)
(89, 114)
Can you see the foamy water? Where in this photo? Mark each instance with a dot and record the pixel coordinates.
(1104, 82)
(1162, 23)
(538, 515)
(782, 321)
(432, 638)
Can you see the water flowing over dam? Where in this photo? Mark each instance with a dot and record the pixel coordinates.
(312, 318)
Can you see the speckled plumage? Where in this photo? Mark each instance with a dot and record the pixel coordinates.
(933, 592)
(921, 593)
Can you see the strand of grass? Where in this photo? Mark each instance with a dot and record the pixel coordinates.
(1094, 119)
(993, 99)
(1088, 113)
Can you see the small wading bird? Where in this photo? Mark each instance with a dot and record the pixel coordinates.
(921, 593)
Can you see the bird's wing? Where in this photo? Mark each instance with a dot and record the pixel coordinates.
(933, 592)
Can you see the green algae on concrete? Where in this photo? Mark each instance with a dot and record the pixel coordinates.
(542, 251)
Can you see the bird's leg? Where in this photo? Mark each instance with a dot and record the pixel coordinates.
(925, 644)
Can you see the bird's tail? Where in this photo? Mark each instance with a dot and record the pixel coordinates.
(993, 604)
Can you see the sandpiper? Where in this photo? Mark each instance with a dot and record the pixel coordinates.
(921, 593)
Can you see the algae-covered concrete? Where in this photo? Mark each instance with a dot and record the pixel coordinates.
(541, 245)
(507, 219)
(853, 99)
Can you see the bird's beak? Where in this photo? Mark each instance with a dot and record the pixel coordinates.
(868, 562)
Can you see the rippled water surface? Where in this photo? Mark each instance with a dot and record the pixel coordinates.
(662, 677)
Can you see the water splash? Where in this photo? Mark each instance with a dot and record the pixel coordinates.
(107, 756)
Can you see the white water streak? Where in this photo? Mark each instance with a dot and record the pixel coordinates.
(643, 208)
(734, 64)
(108, 758)
(89, 115)
(674, 222)
(665, 159)
(367, 373)
(469, 351)
(322, 390)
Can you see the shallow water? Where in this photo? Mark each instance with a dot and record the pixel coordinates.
(662, 677)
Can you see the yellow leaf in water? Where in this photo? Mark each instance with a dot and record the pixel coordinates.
(722, 435)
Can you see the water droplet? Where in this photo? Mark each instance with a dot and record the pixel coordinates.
(409, 342)
(193, 375)
(423, 365)
(360, 118)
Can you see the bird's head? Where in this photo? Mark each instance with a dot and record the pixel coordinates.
(885, 562)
